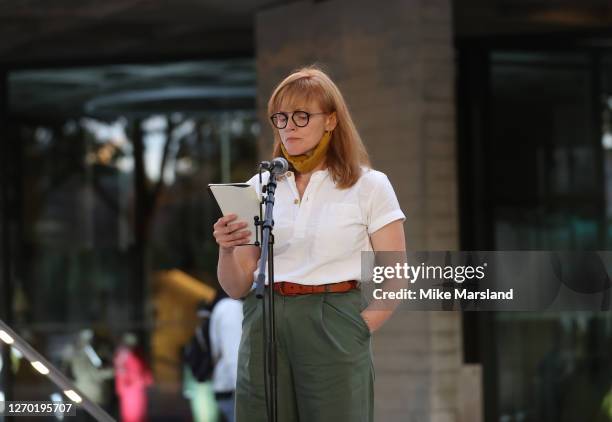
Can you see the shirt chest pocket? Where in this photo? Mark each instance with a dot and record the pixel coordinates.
(284, 222)
(282, 238)
(338, 232)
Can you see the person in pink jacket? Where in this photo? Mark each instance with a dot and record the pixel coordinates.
(132, 377)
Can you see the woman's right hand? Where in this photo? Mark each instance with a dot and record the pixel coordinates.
(229, 232)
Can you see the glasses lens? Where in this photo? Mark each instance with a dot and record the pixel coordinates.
(300, 118)
(279, 120)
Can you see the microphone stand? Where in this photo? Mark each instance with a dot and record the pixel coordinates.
(269, 325)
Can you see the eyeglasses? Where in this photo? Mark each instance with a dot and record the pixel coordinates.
(299, 117)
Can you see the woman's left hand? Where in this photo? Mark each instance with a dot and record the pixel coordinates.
(375, 319)
(367, 322)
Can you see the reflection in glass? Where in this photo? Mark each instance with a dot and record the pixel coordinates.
(544, 183)
(606, 144)
(564, 374)
(545, 189)
(115, 218)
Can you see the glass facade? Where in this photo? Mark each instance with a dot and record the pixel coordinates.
(606, 141)
(553, 366)
(112, 215)
(537, 121)
(542, 122)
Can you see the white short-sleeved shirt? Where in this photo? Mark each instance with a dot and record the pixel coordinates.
(225, 331)
(319, 239)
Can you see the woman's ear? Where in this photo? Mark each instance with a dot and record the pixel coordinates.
(331, 122)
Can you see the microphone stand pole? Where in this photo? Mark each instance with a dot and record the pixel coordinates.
(269, 326)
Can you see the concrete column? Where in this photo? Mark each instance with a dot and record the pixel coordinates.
(394, 64)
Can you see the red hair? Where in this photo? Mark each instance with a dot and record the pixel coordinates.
(346, 154)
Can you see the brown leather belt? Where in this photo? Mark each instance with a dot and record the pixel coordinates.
(287, 288)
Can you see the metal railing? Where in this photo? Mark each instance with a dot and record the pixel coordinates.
(42, 365)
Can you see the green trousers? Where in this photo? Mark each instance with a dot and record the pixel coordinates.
(325, 371)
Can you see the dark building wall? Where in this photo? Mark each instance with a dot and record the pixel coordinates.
(478, 18)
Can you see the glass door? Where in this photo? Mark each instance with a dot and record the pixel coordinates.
(535, 134)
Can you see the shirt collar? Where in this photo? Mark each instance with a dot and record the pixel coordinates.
(316, 175)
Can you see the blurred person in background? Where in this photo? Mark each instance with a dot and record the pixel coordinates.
(132, 378)
(198, 367)
(225, 333)
(88, 370)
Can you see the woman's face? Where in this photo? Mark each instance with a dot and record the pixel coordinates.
(300, 140)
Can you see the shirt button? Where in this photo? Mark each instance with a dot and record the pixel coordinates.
(296, 201)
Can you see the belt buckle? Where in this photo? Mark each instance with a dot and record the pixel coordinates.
(291, 290)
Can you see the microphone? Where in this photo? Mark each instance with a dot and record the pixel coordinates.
(277, 166)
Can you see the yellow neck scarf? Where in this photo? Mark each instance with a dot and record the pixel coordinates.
(305, 163)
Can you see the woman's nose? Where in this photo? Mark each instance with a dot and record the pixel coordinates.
(291, 125)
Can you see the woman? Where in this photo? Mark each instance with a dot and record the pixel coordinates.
(328, 208)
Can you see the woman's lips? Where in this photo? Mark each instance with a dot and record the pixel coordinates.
(292, 139)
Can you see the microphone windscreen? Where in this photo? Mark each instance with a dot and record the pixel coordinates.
(281, 165)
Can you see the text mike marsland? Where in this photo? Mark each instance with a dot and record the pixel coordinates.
(442, 294)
